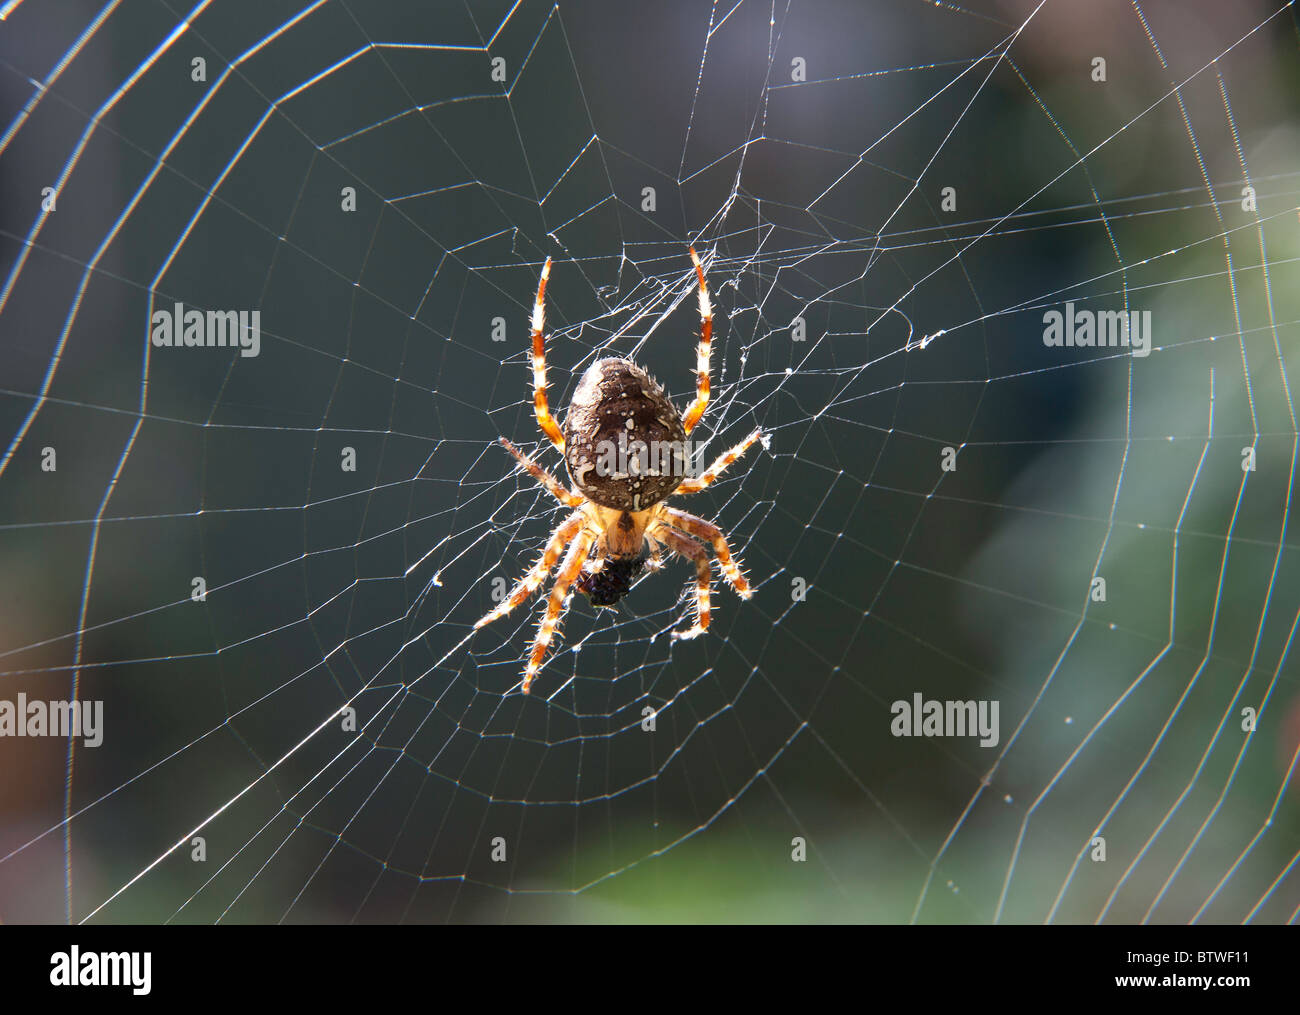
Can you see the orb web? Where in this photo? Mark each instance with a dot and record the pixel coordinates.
(891, 200)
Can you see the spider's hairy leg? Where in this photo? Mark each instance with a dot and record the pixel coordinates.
(719, 465)
(711, 534)
(696, 410)
(691, 550)
(568, 574)
(543, 477)
(540, 407)
(528, 584)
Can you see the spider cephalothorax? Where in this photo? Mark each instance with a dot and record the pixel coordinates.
(625, 447)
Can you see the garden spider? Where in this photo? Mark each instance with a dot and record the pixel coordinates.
(618, 426)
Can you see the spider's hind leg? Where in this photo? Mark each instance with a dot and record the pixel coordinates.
(529, 583)
(691, 550)
(572, 567)
(711, 534)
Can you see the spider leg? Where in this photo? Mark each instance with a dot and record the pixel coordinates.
(718, 467)
(710, 533)
(568, 574)
(696, 410)
(529, 583)
(690, 549)
(543, 477)
(540, 407)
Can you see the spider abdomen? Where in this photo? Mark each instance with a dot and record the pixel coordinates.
(625, 446)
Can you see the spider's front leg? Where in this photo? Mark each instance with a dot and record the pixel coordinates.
(541, 409)
(549, 482)
(569, 571)
(709, 475)
(696, 410)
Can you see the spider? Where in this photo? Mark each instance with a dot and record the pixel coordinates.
(620, 518)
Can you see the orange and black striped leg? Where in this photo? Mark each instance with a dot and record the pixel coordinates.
(543, 477)
(718, 467)
(568, 574)
(691, 550)
(711, 534)
(529, 583)
(540, 407)
(696, 409)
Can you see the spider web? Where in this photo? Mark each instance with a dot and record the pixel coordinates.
(322, 735)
